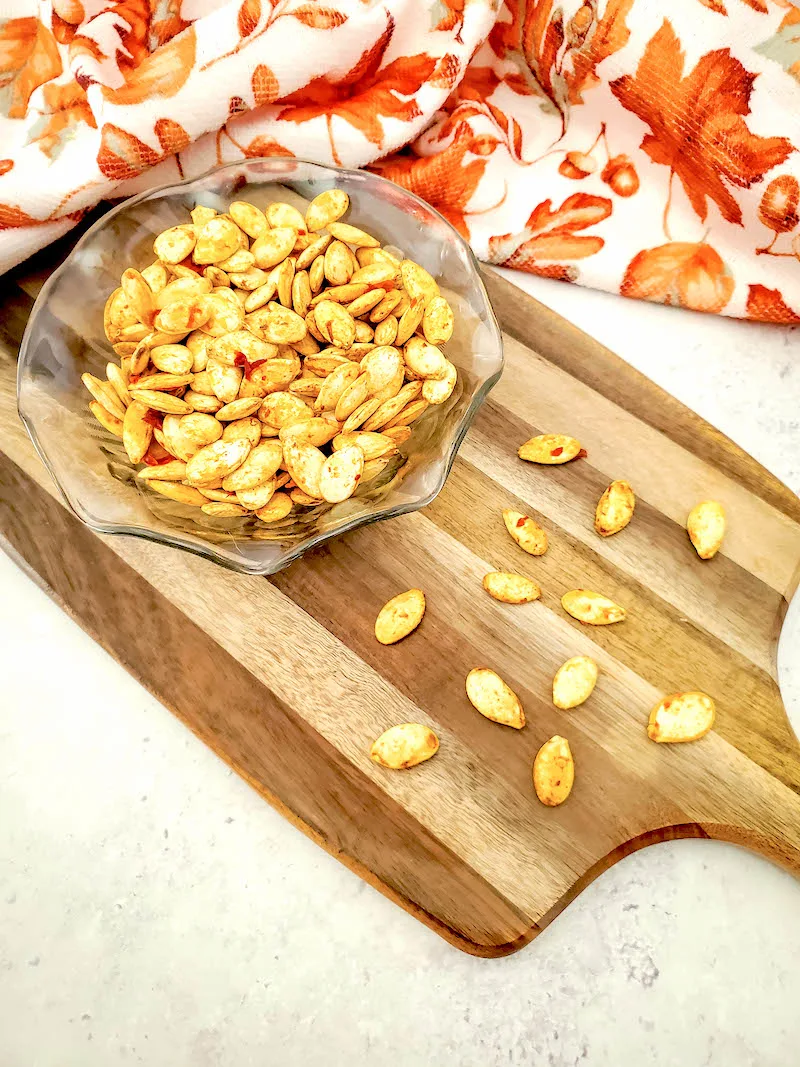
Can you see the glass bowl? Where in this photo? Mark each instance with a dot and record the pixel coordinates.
(65, 338)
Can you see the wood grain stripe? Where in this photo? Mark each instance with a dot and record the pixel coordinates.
(506, 847)
(541, 330)
(718, 595)
(274, 749)
(665, 475)
(657, 641)
(714, 768)
(285, 680)
(242, 611)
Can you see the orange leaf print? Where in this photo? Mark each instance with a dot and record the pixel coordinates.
(542, 38)
(317, 17)
(122, 155)
(17, 40)
(681, 273)
(5, 166)
(600, 41)
(248, 17)
(446, 73)
(767, 305)
(29, 57)
(518, 83)
(504, 36)
(261, 147)
(453, 17)
(71, 11)
(171, 136)
(443, 180)
(697, 122)
(778, 208)
(165, 22)
(551, 235)
(11, 217)
(265, 85)
(134, 46)
(163, 73)
(477, 84)
(366, 94)
(66, 107)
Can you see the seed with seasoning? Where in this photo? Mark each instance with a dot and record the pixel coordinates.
(400, 616)
(550, 448)
(271, 325)
(105, 418)
(706, 528)
(681, 717)
(511, 588)
(341, 473)
(404, 746)
(526, 532)
(277, 509)
(326, 208)
(614, 509)
(182, 494)
(490, 695)
(216, 461)
(574, 682)
(553, 772)
(591, 608)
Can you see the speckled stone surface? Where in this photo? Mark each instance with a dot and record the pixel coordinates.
(154, 910)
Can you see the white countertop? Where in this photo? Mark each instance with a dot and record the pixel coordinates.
(153, 909)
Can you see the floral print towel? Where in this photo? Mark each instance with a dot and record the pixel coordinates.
(646, 148)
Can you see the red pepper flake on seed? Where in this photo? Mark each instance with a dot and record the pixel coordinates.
(154, 419)
(152, 461)
(188, 262)
(241, 360)
(522, 521)
(557, 451)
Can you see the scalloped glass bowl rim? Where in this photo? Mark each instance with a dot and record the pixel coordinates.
(242, 564)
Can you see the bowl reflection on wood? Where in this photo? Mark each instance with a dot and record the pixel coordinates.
(65, 338)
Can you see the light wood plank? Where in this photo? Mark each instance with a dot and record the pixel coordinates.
(285, 680)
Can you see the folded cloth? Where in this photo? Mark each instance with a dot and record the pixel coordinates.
(638, 147)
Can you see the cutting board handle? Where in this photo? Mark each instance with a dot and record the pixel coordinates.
(765, 808)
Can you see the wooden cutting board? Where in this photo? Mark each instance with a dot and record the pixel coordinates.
(283, 678)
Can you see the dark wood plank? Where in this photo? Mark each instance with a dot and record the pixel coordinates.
(477, 858)
(292, 767)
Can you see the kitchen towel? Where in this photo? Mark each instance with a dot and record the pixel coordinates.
(645, 148)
